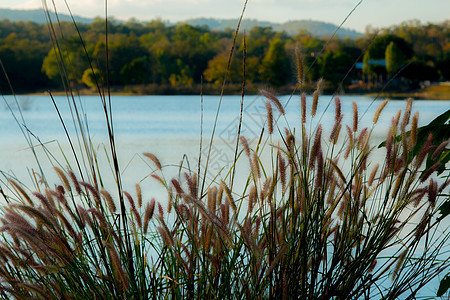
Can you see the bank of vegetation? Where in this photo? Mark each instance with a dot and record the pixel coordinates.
(157, 58)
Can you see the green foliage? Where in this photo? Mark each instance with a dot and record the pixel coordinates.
(418, 70)
(182, 77)
(395, 58)
(276, 67)
(377, 48)
(444, 286)
(377, 51)
(137, 71)
(21, 58)
(72, 60)
(426, 39)
(217, 68)
(443, 65)
(92, 78)
(335, 64)
(201, 49)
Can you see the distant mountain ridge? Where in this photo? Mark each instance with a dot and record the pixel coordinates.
(35, 15)
(316, 28)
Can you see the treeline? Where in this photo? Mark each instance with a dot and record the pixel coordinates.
(155, 57)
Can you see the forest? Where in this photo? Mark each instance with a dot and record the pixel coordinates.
(157, 58)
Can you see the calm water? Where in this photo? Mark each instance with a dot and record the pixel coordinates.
(168, 126)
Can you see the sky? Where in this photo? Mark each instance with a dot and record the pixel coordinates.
(375, 13)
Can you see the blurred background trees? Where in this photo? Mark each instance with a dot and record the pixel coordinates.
(183, 55)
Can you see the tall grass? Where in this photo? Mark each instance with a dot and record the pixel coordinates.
(315, 218)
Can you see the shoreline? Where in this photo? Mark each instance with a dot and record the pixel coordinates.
(436, 92)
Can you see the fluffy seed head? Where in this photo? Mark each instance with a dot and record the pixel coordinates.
(426, 148)
(282, 170)
(303, 107)
(245, 145)
(161, 211)
(212, 196)
(315, 102)
(432, 192)
(334, 136)
(255, 165)
(373, 173)
(63, 177)
(397, 118)
(413, 132)
(137, 217)
(170, 201)
(251, 199)
(84, 218)
(229, 196)
(274, 100)
(426, 174)
(100, 217)
(177, 187)
(139, 195)
(93, 191)
(439, 150)
(400, 260)
(75, 182)
(389, 144)
(109, 200)
(407, 114)
(337, 102)
(316, 148)
(269, 117)
(149, 209)
(21, 191)
(130, 200)
(355, 117)
(45, 202)
(350, 141)
(379, 110)
(117, 265)
(154, 159)
(219, 196)
(319, 175)
(192, 184)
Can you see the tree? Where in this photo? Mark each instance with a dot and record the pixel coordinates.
(92, 77)
(74, 61)
(334, 66)
(137, 71)
(419, 71)
(183, 77)
(276, 67)
(395, 59)
(377, 51)
(443, 65)
(257, 40)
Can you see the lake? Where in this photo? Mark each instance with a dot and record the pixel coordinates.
(168, 126)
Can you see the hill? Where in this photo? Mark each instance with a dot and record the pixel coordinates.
(316, 28)
(36, 16)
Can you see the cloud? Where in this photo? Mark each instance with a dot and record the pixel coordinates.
(21, 4)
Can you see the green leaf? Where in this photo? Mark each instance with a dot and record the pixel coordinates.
(444, 209)
(444, 286)
(437, 127)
